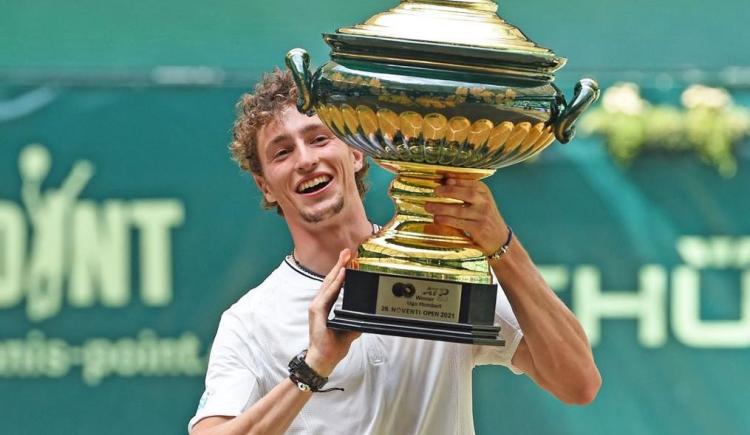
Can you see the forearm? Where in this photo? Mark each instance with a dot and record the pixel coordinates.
(271, 415)
(554, 351)
(559, 352)
(274, 413)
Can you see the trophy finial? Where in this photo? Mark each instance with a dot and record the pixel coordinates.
(464, 23)
(483, 5)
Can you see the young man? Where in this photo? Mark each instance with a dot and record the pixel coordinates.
(391, 385)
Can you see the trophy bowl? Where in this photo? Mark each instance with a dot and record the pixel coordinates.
(430, 89)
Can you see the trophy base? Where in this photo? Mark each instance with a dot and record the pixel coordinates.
(418, 308)
(373, 324)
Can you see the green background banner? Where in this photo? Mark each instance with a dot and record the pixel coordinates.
(125, 229)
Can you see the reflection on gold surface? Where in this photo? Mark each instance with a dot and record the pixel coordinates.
(457, 22)
(519, 133)
(532, 137)
(367, 119)
(350, 118)
(458, 129)
(457, 141)
(438, 64)
(336, 117)
(322, 112)
(499, 135)
(411, 124)
(389, 123)
(412, 244)
(434, 126)
(480, 132)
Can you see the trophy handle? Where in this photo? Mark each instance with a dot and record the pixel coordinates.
(586, 92)
(298, 62)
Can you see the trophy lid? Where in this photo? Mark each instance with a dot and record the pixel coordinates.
(465, 35)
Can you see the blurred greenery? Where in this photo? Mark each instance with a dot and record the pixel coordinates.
(709, 124)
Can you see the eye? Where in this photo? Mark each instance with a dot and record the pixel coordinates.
(281, 153)
(321, 139)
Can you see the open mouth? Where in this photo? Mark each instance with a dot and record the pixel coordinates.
(314, 185)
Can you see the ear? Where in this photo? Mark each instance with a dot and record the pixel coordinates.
(358, 159)
(263, 187)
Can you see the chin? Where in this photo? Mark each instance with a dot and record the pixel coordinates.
(323, 214)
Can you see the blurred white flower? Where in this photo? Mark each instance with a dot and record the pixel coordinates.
(705, 96)
(624, 98)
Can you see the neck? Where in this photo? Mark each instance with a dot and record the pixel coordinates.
(317, 245)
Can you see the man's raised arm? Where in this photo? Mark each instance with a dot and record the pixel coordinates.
(554, 350)
(274, 413)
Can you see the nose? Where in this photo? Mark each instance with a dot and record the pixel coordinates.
(307, 158)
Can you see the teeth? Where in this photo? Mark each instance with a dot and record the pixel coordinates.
(314, 182)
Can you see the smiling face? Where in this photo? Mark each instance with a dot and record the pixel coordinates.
(307, 170)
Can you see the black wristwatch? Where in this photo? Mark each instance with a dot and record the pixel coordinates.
(304, 377)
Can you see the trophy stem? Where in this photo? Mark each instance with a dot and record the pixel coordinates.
(412, 244)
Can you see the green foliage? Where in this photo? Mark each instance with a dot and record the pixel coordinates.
(708, 123)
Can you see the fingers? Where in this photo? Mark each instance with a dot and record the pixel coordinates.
(344, 256)
(469, 194)
(467, 216)
(452, 180)
(461, 224)
(478, 216)
(331, 293)
(331, 286)
(472, 212)
(461, 186)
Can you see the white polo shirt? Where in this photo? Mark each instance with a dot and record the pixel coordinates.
(393, 385)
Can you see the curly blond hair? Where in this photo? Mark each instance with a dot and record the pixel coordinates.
(275, 92)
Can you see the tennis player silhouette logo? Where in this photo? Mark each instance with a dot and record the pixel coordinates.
(50, 214)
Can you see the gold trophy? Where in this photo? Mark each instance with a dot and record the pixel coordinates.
(428, 89)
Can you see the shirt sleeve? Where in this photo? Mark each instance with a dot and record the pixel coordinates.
(510, 331)
(231, 381)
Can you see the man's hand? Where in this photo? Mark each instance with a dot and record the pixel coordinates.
(274, 413)
(554, 350)
(328, 346)
(478, 216)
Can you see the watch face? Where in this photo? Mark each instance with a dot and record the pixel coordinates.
(298, 361)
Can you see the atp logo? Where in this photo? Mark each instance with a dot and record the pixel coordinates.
(403, 290)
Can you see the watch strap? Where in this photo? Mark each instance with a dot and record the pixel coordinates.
(305, 377)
